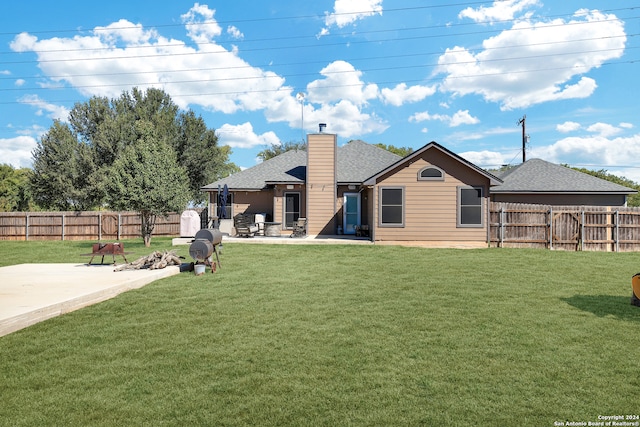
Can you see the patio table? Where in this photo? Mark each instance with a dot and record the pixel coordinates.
(272, 229)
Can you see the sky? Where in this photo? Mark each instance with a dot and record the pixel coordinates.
(464, 74)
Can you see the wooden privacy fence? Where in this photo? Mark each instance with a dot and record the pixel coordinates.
(80, 225)
(573, 228)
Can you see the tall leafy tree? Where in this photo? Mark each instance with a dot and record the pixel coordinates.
(400, 151)
(199, 153)
(60, 162)
(15, 192)
(276, 149)
(147, 178)
(73, 160)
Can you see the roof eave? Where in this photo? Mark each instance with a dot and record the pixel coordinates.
(561, 192)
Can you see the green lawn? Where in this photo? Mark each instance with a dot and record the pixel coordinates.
(336, 336)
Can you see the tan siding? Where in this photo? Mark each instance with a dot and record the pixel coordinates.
(431, 206)
(253, 202)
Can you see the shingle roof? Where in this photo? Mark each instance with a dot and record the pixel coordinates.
(289, 166)
(539, 176)
(356, 161)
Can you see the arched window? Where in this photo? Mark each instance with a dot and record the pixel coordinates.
(431, 173)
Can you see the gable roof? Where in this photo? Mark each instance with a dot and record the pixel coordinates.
(539, 176)
(433, 145)
(356, 161)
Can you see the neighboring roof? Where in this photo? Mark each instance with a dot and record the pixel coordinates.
(434, 145)
(289, 167)
(356, 161)
(539, 176)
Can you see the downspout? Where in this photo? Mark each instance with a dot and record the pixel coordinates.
(374, 213)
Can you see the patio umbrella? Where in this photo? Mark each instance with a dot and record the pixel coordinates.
(223, 202)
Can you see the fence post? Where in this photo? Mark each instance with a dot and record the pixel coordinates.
(617, 229)
(550, 228)
(119, 224)
(62, 226)
(582, 230)
(99, 226)
(502, 227)
(26, 226)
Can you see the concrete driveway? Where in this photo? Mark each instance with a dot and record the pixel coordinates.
(31, 293)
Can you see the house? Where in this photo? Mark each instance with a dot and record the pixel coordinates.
(432, 196)
(540, 182)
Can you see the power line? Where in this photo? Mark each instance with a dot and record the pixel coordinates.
(288, 89)
(276, 19)
(300, 17)
(315, 46)
(280, 76)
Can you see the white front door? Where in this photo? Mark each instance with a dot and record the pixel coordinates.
(351, 212)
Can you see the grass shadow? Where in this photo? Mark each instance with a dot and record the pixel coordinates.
(606, 305)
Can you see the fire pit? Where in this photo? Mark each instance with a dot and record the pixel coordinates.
(102, 249)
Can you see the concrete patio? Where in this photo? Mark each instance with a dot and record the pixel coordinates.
(31, 293)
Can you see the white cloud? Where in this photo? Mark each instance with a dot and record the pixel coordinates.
(568, 127)
(346, 119)
(17, 151)
(234, 32)
(402, 94)
(604, 129)
(243, 136)
(346, 12)
(201, 24)
(461, 117)
(20, 82)
(485, 159)
(499, 11)
(124, 55)
(508, 69)
(595, 152)
(341, 82)
(53, 111)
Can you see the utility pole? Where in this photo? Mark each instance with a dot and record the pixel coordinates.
(522, 122)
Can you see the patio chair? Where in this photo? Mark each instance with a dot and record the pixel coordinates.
(244, 226)
(299, 228)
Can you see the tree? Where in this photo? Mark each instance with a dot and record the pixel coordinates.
(147, 178)
(61, 177)
(400, 151)
(199, 153)
(276, 149)
(14, 189)
(73, 160)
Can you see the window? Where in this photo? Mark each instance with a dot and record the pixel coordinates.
(291, 209)
(470, 210)
(430, 173)
(392, 206)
